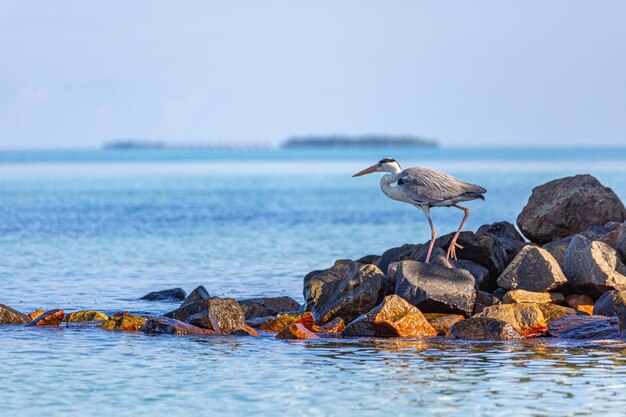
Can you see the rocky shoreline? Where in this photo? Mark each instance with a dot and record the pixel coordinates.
(564, 276)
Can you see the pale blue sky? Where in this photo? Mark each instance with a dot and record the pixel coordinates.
(78, 73)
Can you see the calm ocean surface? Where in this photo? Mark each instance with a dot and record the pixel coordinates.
(98, 229)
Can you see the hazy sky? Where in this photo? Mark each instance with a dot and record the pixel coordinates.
(79, 73)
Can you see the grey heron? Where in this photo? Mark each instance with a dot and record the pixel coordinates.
(426, 188)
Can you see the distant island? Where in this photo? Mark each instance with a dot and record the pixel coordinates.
(366, 141)
(141, 144)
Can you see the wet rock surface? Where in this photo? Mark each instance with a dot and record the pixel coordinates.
(584, 327)
(521, 296)
(124, 321)
(172, 294)
(49, 318)
(612, 303)
(199, 293)
(244, 331)
(442, 322)
(593, 267)
(482, 328)
(283, 320)
(435, 289)
(9, 315)
(336, 325)
(392, 318)
(268, 306)
(554, 311)
(568, 206)
(296, 331)
(219, 314)
(85, 316)
(526, 318)
(347, 290)
(533, 269)
(165, 325)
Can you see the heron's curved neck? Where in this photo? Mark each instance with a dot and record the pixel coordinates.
(387, 180)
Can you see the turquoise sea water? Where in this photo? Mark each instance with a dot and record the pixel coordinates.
(96, 229)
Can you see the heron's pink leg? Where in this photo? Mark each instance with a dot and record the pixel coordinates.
(453, 245)
(433, 233)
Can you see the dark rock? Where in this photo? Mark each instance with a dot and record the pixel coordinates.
(443, 322)
(296, 331)
(479, 328)
(435, 289)
(612, 303)
(479, 272)
(219, 314)
(620, 243)
(198, 294)
(553, 312)
(85, 316)
(336, 325)
(347, 290)
(526, 318)
(501, 230)
(596, 231)
(557, 249)
(398, 254)
(268, 306)
(126, 322)
(594, 267)
(49, 318)
(165, 325)
(11, 316)
(567, 206)
(485, 250)
(499, 294)
(484, 299)
(173, 294)
(259, 322)
(283, 320)
(533, 269)
(368, 259)
(392, 318)
(522, 296)
(580, 302)
(584, 327)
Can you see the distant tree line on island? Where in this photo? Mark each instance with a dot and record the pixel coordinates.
(366, 141)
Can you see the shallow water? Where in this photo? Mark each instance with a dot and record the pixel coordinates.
(100, 229)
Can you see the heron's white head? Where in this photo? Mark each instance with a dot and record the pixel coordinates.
(389, 165)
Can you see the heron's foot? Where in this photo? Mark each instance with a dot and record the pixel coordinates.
(452, 250)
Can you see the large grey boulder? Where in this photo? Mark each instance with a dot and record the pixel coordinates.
(533, 269)
(11, 316)
(268, 306)
(479, 272)
(568, 206)
(483, 328)
(347, 290)
(594, 267)
(557, 249)
(435, 289)
(215, 313)
(511, 240)
(400, 253)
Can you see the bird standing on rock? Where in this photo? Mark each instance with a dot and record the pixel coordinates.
(426, 188)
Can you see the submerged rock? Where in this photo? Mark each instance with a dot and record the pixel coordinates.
(283, 320)
(49, 318)
(198, 294)
(172, 294)
(521, 296)
(85, 315)
(584, 327)
(594, 267)
(11, 316)
(336, 325)
(533, 269)
(219, 314)
(393, 317)
(527, 319)
(580, 302)
(296, 331)
(481, 328)
(124, 321)
(346, 290)
(165, 325)
(435, 289)
(554, 311)
(268, 306)
(442, 322)
(567, 206)
(34, 314)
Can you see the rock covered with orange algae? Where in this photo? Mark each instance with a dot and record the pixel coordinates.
(296, 331)
(393, 317)
(124, 321)
(336, 325)
(580, 302)
(85, 316)
(283, 320)
(523, 296)
(245, 330)
(526, 318)
(165, 325)
(34, 314)
(49, 318)
(442, 322)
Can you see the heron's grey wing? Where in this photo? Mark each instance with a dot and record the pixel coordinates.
(428, 186)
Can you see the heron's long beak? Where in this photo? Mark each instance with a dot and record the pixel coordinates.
(369, 170)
